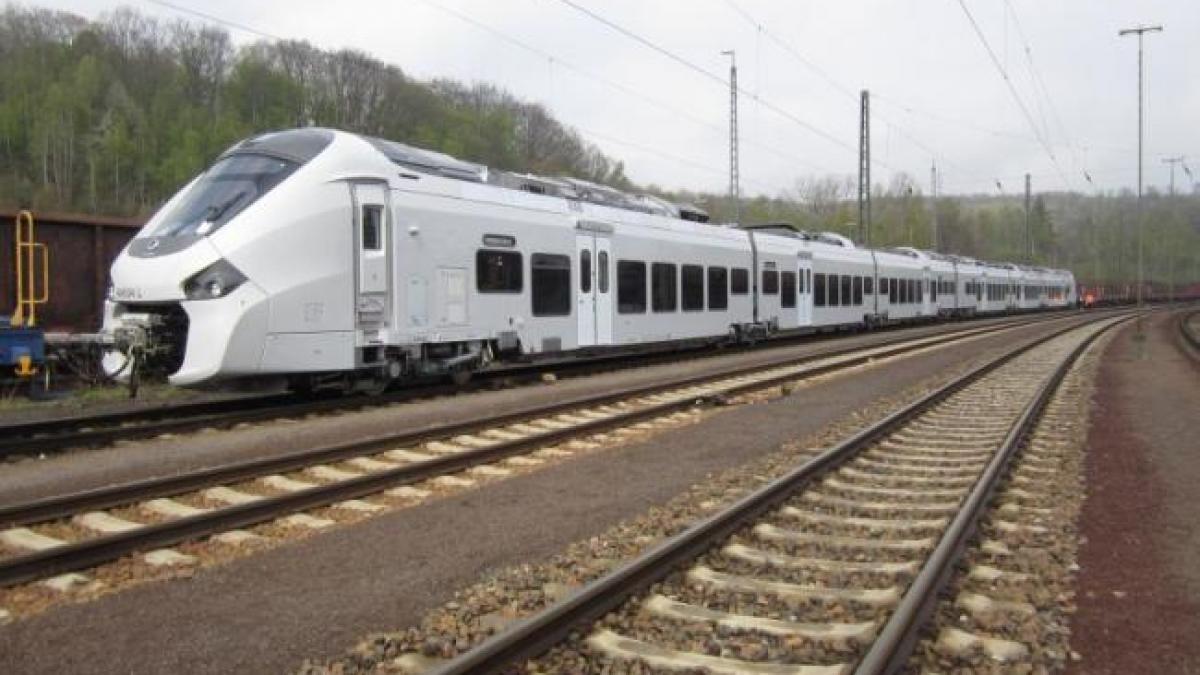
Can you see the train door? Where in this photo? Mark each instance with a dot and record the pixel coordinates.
(594, 306)
(372, 227)
(804, 300)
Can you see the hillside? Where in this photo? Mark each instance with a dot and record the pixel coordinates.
(112, 116)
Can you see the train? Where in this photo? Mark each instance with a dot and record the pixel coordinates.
(322, 258)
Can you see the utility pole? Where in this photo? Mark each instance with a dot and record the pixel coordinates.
(734, 182)
(1140, 31)
(937, 244)
(864, 171)
(1173, 161)
(1028, 230)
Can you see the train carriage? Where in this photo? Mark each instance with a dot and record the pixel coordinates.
(333, 259)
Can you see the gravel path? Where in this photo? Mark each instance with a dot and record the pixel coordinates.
(318, 596)
(1139, 589)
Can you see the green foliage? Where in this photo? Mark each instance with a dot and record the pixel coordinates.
(114, 116)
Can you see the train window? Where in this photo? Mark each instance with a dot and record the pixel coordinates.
(858, 290)
(894, 290)
(770, 282)
(903, 284)
(550, 277)
(739, 281)
(834, 287)
(498, 271)
(933, 290)
(819, 290)
(718, 288)
(691, 277)
(631, 287)
(921, 284)
(372, 227)
(664, 289)
(787, 296)
(847, 293)
(602, 270)
(585, 271)
(869, 285)
(800, 283)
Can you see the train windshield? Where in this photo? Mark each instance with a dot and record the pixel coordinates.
(231, 185)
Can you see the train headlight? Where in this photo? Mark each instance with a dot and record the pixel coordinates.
(215, 281)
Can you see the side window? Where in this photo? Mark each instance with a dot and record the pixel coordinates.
(819, 290)
(834, 287)
(602, 269)
(770, 282)
(718, 288)
(787, 296)
(739, 281)
(869, 285)
(858, 290)
(692, 280)
(585, 271)
(847, 290)
(664, 288)
(551, 281)
(631, 287)
(372, 227)
(498, 271)
(903, 285)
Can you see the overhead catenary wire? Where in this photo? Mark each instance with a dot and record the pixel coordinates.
(1013, 92)
(717, 79)
(1040, 84)
(629, 91)
(851, 94)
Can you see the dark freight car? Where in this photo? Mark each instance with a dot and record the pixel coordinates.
(81, 249)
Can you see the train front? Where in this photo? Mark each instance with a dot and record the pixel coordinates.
(188, 298)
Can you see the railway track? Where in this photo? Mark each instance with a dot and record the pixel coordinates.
(832, 568)
(56, 434)
(66, 533)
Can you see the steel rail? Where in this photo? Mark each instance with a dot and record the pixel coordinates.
(534, 635)
(92, 551)
(114, 495)
(58, 433)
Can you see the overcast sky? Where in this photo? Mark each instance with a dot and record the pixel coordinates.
(936, 93)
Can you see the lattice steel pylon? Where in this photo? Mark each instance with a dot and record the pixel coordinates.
(734, 179)
(864, 171)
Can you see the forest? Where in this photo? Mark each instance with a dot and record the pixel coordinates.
(112, 116)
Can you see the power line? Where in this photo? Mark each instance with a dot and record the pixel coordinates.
(674, 110)
(708, 75)
(852, 95)
(1013, 91)
(1040, 83)
(215, 19)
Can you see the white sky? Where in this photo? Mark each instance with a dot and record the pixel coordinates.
(935, 92)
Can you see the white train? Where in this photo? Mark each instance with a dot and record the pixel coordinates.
(333, 259)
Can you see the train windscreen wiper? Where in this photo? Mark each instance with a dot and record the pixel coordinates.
(214, 213)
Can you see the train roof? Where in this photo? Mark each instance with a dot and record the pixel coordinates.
(305, 143)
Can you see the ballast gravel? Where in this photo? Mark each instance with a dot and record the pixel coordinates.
(515, 592)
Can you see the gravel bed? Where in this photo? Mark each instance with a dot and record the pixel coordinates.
(514, 592)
